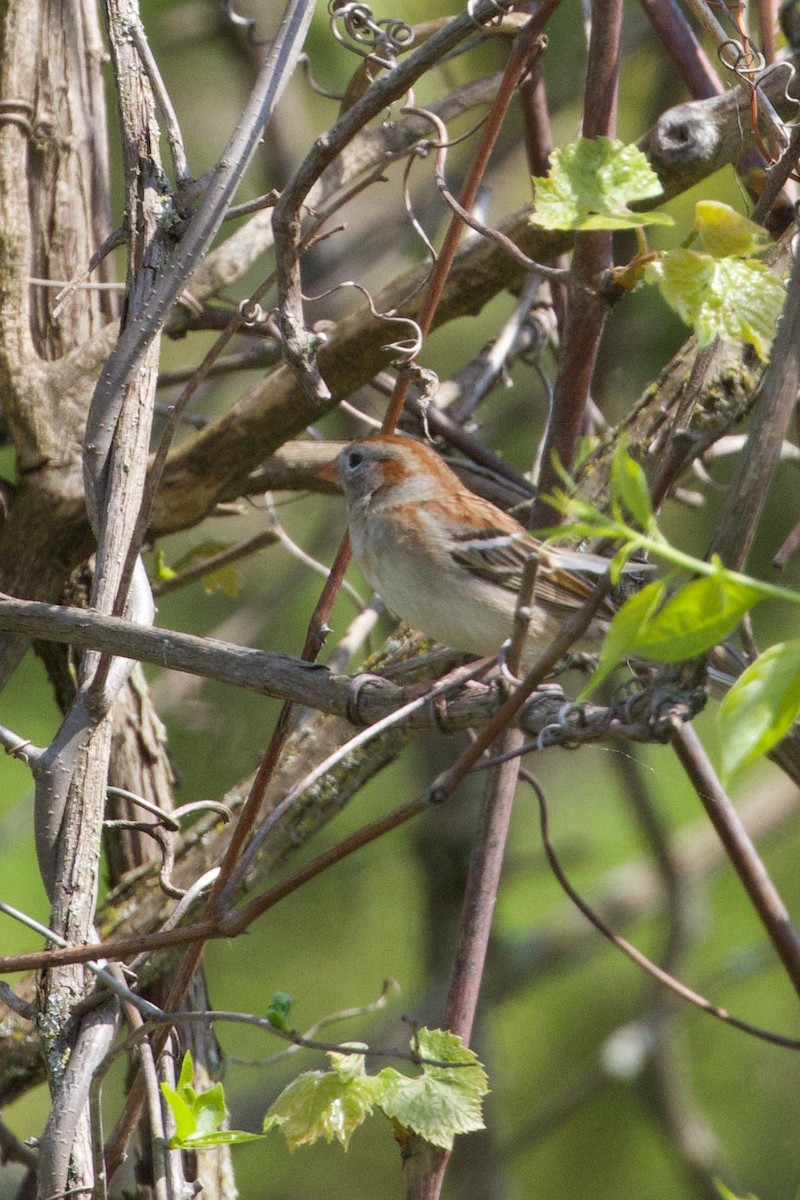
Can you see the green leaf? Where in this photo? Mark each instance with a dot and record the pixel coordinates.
(322, 1104)
(735, 299)
(726, 233)
(590, 185)
(434, 1109)
(696, 618)
(279, 1008)
(630, 488)
(186, 1077)
(201, 553)
(351, 1064)
(621, 637)
(583, 519)
(442, 1101)
(210, 1110)
(761, 707)
(163, 571)
(224, 579)
(183, 1115)
(220, 1137)
(620, 561)
(727, 1194)
(443, 1046)
(199, 1115)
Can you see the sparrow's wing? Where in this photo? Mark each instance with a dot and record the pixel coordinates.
(494, 554)
(499, 557)
(494, 547)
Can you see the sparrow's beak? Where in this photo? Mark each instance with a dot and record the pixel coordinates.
(329, 472)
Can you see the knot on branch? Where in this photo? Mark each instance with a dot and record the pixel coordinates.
(683, 135)
(354, 696)
(300, 348)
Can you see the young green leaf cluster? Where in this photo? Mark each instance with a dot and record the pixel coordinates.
(199, 1116)
(669, 621)
(437, 1103)
(721, 290)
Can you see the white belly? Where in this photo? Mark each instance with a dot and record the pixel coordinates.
(436, 596)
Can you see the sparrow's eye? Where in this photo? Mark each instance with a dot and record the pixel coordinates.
(354, 459)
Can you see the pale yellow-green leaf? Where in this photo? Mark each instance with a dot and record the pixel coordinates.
(321, 1104)
(726, 233)
(224, 578)
(736, 299)
(434, 1108)
(591, 184)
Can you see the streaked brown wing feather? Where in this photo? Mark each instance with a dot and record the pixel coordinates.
(496, 562)
(562, 589)
(497, 548)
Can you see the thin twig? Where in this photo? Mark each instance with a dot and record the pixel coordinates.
(164, 102)
(777, 398)
(525, 48)
(744, 857)
(640, 959)
(587, 309)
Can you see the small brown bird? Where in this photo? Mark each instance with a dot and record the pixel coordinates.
(448, 562)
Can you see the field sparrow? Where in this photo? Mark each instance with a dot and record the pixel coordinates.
(448, 562)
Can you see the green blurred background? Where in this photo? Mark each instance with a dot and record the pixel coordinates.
(577, 1107)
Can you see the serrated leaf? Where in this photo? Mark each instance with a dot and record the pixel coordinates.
(735, 299)
(436, 1109)
(321, 1104)
(726, 233)
(349, 1065)
(761, 707)
(621, 637)
(630, 488)
(443, 1046)
(696, 618)
(443, 1101)
(590, 185)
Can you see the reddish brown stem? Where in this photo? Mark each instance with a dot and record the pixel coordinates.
(767, 26)
(742, 853)
(524, 50)
(586, 311)
(538, 147)
(483, 882)
(683, 47)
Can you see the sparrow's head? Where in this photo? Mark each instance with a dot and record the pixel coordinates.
(378, 466)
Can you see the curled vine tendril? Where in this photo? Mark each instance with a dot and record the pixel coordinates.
(502, 9)
(247, 23)
(354, 27)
